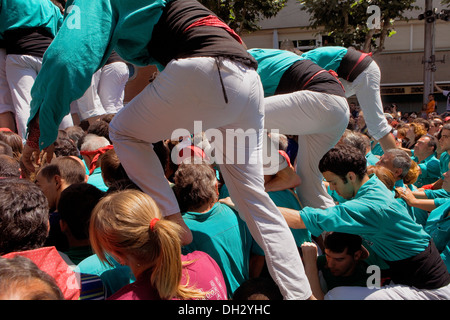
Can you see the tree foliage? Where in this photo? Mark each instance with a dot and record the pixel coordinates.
(243, 15)
(348, 22)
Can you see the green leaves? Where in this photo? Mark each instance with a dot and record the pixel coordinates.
(350, 21)
(243, 15)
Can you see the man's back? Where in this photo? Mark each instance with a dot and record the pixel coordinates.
(225, 237)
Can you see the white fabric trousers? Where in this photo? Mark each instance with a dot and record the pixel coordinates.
(111, 88)
(366, 86)
(89, 104)
(188, 91)
(390, 292)
(105, 94)
(319, 120)
(21, 71)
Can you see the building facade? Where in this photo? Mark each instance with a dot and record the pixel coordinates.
(401, 62)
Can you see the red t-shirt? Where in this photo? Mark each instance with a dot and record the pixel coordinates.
(203, 273)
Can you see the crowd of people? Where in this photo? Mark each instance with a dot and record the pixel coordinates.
(102, 201)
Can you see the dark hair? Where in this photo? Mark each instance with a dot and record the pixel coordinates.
(75, 133)
(9, 167)
(111, 168)
(24, 216)
(100, 128)
(255, 288)
(14, 141)
(65, 147)
(339, 241)
(68, 168)
(357, 140)
(75, 207)
(343, 159)
(194, 185)
(19, 274)
(6, 149)
(433, 141)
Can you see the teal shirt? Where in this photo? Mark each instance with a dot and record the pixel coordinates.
(282, 198)
(272, 63)
(377, 217)
(438, 227)
(96, 180)
(444, 160)
(431, 170)
(438, 193)
(372, 159)
(222, 234)
(377, 149)
(89, 33)
(328, 58)
(420, 216)
(16, 14)
(114, 276)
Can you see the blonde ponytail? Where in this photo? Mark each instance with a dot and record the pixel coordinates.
(129, 222)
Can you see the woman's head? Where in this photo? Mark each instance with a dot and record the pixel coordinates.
(129, 226)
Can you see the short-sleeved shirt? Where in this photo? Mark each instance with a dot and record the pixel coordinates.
(431, 170)
(444, 160)
(377, 217)
(438, 227)
(222, 234)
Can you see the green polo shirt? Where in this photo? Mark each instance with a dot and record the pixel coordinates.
(438, 227)
(222, 234)
(444, 160)
(431, 170)
(29, 14)
(89, 33)
(272, 63)
(329, 58)
(377, 217)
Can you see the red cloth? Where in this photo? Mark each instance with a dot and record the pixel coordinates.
(191, 151)
(213, 21)
(97, 153)
(285, 155)
(50, 261)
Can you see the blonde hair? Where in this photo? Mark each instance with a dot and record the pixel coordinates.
(413, 174)
(384, 174)
(120, 223)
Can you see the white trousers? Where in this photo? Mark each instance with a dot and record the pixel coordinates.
(189, 90)
(111, 88)
(105, 94)
(366, 86)
(6, 104)
(319, 120)
(21, 71)
(391, 292)
(89, 104)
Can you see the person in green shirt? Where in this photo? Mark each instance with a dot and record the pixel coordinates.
(205, 76)
(342, 264)
(424, 154)
(372, 212)
(360, 75)
(27, 28)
